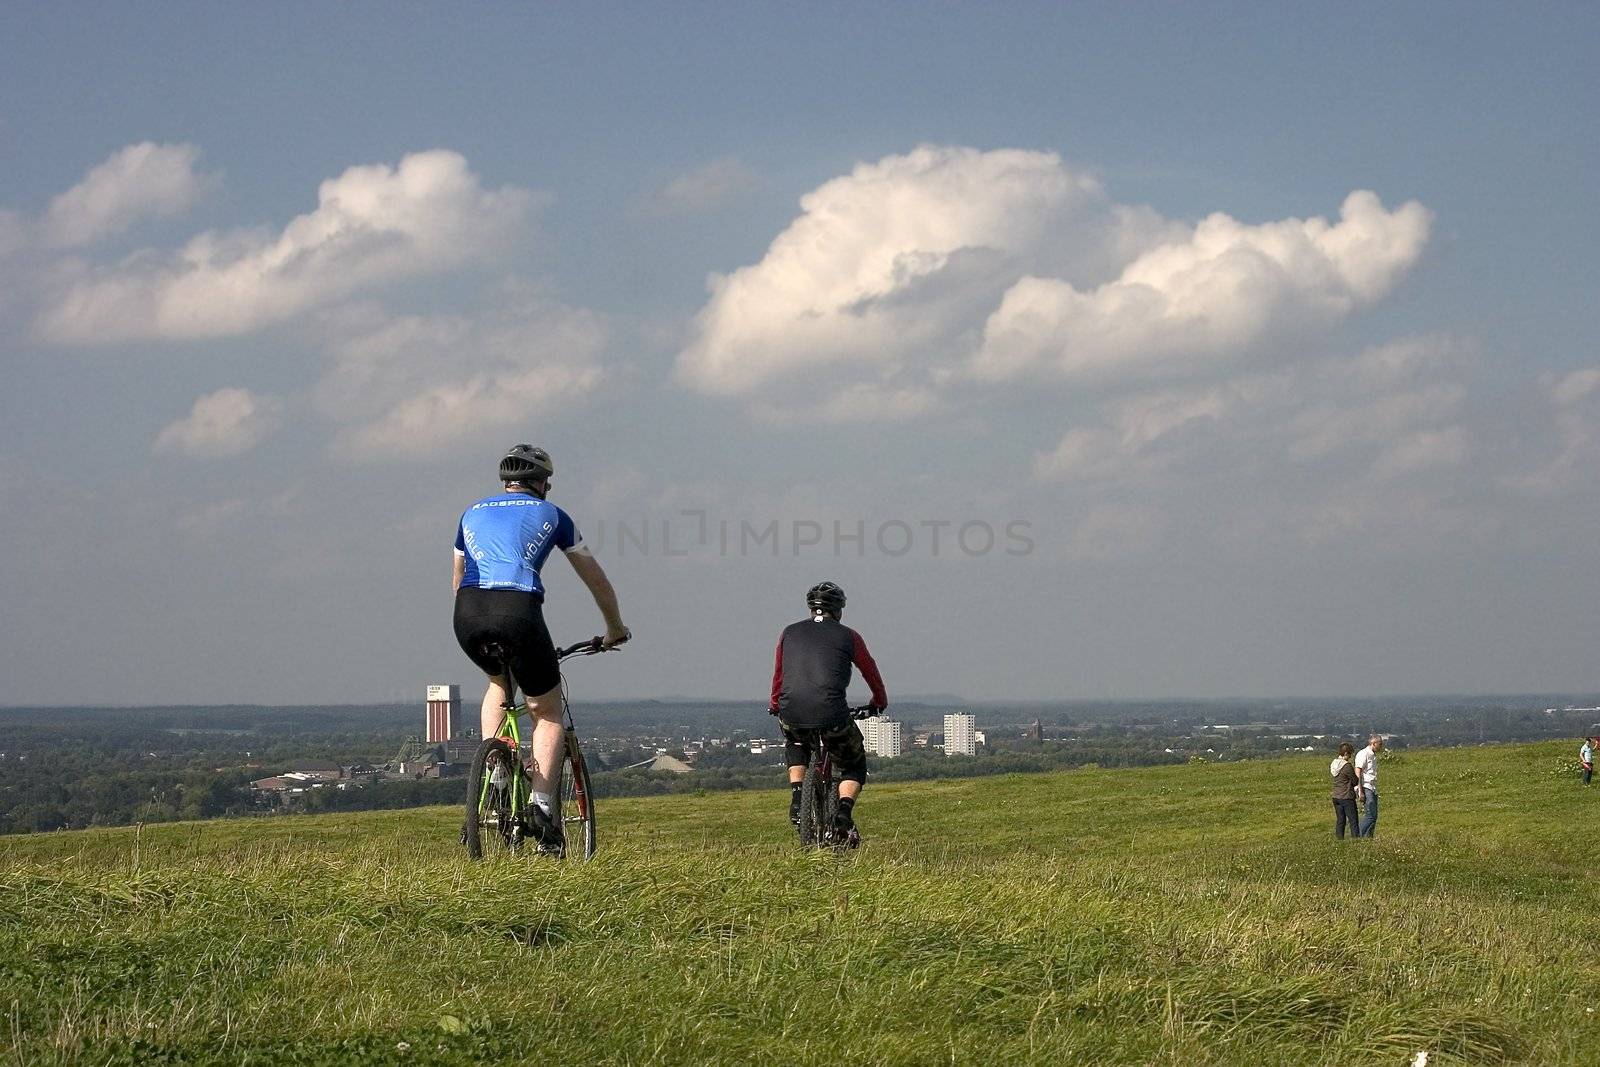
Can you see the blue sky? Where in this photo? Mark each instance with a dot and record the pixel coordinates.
(1273, 326)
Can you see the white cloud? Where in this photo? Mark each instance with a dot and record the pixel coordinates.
(1324, 427)
(372, 225)
(1226, 288)
(1391, 413)
(227, 422)
(883, 264)
(1144, 434)
(860, 402)
(704, 189)
(1573, 388)
(204, 521)
(1422, 450)
(456, 411)
(1573, 409)
(138, 181)
(910, 275)
(417, 383)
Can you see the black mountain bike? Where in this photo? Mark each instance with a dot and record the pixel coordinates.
(819, 790)
(500, 809)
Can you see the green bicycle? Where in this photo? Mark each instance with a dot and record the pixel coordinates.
(500, 811)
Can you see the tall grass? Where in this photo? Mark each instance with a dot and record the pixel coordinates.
(1182, 915)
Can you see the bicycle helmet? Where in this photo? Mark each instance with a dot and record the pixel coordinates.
(526, 463)
(825, 596)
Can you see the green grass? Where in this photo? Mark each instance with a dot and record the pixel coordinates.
(1182, 915)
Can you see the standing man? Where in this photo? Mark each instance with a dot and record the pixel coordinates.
(1586, 757)
(1367, 767)
(501, 544)
(809, 681)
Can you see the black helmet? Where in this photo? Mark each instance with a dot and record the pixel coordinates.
(524, 463)
(825, 596)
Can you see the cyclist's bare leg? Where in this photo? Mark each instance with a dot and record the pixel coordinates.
(796, 775)
(493, 710)
(548, 738)
(849, 789)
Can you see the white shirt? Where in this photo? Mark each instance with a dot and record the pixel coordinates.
(1367, 767)
(1586, 753)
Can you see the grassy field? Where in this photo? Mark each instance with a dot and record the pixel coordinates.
(1183, 915)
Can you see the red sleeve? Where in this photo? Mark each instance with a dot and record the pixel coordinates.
(869, 671)
(777, 675)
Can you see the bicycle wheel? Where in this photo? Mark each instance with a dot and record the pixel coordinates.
(497, 790)
(813, 794)
(575, 801)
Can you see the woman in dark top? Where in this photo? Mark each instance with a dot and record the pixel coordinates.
(1345, 784)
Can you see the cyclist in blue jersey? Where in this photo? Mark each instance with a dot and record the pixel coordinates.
(501, 544)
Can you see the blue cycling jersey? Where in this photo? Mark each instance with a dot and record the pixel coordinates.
(507, 538)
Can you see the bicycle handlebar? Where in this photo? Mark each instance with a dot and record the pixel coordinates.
(865, 711)
(592, 647)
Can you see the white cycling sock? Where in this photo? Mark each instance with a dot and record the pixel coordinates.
(543, 800)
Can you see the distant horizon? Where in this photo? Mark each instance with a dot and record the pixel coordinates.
(913, 701)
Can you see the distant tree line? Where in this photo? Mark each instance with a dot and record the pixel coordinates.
(75, 768)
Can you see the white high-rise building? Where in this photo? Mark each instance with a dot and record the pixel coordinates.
(960, 735)
(884, 737)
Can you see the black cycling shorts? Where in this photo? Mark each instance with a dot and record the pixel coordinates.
(845, 745)
(514, 620)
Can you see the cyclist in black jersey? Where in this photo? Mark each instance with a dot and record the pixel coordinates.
(809, 680)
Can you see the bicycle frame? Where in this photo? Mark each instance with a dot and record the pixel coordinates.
(520, 792)
(821, 799)
(509, 731)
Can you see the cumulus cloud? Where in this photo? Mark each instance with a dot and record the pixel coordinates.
(204, 520)
(883, 262)
(1390, 413)
(703, 189)
(139, 181)
(415, 383)
(860, 402)
(917, 273)
(1146, 434)
(227, 422)
(1225, 288)
(1573, 409)
(1573, 388)
(372, 225)
(1422, 450)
